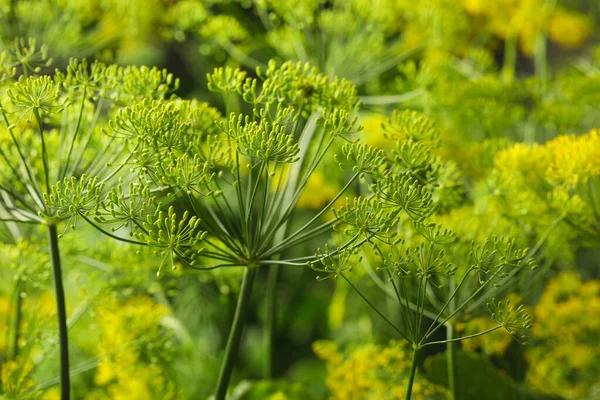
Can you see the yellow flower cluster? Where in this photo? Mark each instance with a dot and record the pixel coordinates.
(561, 175)
(127, 330)
(566, 334)
(524, 163)
(15, 378)
(573, 159)
(371, 372)
(527, 19)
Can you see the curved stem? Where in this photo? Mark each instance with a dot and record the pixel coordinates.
(413, 372)
(235, 334)
(451, 361)
(271, 320)
(451, 346)
(390, 323)
(464, 337)
(65, 393)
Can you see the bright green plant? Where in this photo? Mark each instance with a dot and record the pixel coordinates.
(52, 132)
(236, 180)
(426, 283)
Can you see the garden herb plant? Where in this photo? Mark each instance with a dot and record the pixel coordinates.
(422, 224)
(236, 180)
(404, 188)
(52, 133)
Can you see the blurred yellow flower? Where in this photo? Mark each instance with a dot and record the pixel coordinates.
(371, 371)
(564, 358)
(527, 19)
(128, 329)
(568, 29)
(573, 159)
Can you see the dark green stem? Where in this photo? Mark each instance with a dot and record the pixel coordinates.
(451, 346)
(235, 334)
(17, 321)
(451, 361)
(65, 393)
(413, 372)
(271, 320)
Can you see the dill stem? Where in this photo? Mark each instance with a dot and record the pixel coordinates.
(17, 320)
(451, 346)
(233, 342)
(451, 361)
(271, 320)
(65, 393)
(413, 372)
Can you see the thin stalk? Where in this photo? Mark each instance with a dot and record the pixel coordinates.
(36, 193)
(421, 304)
(271, 319)
(38, 119)
(72, 144)
(390, 323)
(327, 207)
(451, 361)
(65, 393)
(17, 321)
(449, 301)
(464, 337)
(235, 334)
(510, 57)
(451, 346)
(413, 372)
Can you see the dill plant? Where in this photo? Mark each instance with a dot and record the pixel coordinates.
(52, 133)
(214, 192)
(430, 287)
(224, 189)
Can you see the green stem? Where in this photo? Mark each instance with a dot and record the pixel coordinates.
(390, 323)
(451, 361)
(540, 59)
(464, 337)
(451, 346)
(65, 393)
(38, 119)
(17, 320)
(235, 334)
(510, 57)
(413, 372)
(271, 320)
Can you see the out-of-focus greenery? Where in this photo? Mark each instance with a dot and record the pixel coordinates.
(511, 88)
